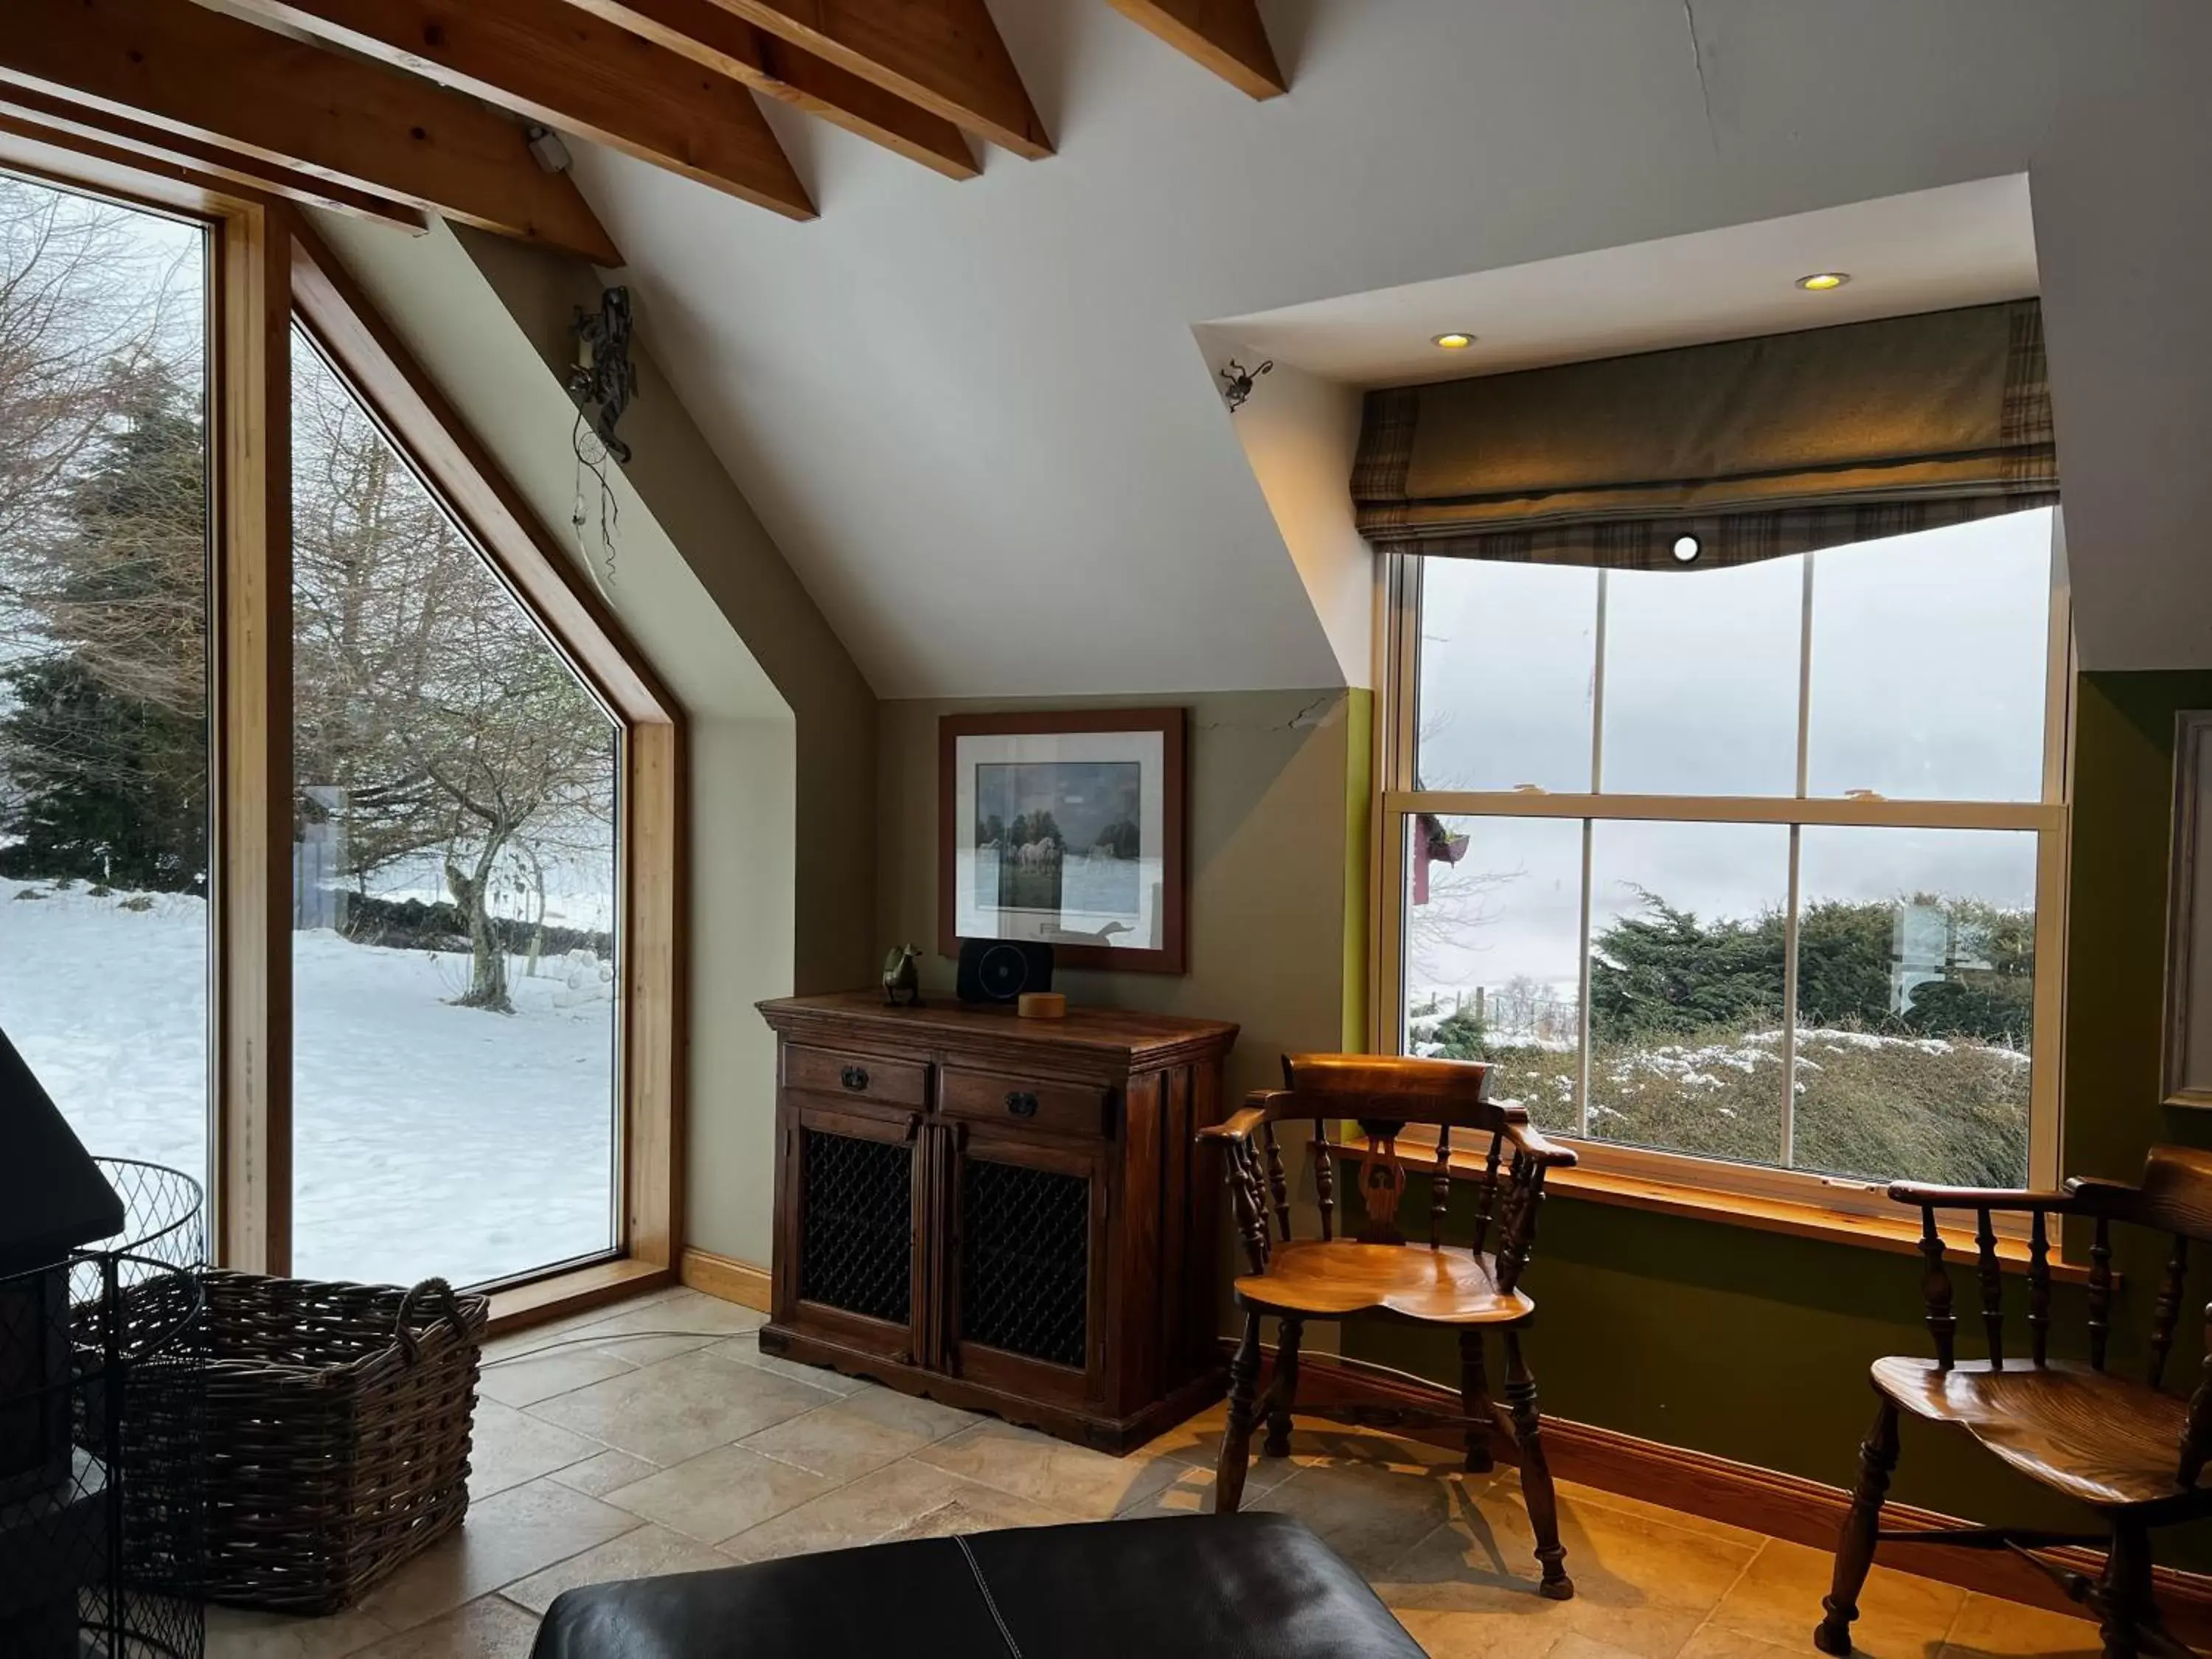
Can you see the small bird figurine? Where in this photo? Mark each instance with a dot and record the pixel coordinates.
(902, 977)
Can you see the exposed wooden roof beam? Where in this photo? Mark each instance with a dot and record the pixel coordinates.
(944, 55)
(1225, 36)
(703, 32)
(117, 138)
(217, 79)
(562, 67)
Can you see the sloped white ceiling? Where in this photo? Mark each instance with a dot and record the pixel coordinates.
(974, 415)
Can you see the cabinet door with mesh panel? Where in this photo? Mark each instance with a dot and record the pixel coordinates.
(1025, 1294)
(851, 1224)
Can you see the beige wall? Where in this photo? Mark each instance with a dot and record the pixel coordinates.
(781, 725)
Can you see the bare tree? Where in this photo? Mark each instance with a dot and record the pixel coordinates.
(448, 721)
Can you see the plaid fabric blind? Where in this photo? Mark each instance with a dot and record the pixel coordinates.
(1759, 447)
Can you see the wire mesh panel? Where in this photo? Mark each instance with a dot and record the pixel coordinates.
(1025, 1261)
(857, 1251)
(101, 1390)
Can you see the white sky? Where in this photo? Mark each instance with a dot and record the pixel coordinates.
(1929, 659)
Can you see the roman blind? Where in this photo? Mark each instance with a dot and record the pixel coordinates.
(1757, 447)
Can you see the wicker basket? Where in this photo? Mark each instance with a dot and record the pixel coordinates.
(336, 1433)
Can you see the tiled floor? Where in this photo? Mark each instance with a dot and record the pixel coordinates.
(634, 1453)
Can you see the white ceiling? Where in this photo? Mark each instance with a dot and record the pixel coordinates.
(1959, 245)
(973, 416)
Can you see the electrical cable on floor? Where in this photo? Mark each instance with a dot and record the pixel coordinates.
(610, 1336)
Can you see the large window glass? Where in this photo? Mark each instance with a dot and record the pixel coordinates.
(103, 804)
(453, 955)
(1808, 941)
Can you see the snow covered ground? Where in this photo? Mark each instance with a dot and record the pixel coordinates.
(428, 1140)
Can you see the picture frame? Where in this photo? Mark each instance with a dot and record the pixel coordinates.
(1065, 828)
(2187, 1045)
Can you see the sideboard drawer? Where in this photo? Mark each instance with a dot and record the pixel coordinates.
(1078, 1109)
(860, 1077)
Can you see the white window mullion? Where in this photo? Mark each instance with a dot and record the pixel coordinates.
(1788, 1157)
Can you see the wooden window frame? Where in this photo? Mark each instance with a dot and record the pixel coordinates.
(1791, 1199)
(267, 267)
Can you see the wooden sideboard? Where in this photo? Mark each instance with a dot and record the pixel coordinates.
(1008, 1215)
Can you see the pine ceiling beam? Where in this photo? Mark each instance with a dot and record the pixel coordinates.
(724, 42)
(215, 78)
(562, 67)
(111, 137)
(944, 55)
(1225, 36)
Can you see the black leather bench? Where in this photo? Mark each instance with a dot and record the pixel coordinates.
(1253, 1586)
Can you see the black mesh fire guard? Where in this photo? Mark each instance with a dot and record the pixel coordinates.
(101, 1362)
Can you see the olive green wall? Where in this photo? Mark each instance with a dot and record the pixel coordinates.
(1268, 791)
(1751, 1346)
(1755, 1346)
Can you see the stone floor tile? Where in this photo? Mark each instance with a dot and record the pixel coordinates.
(1988, 1626)
(1778, 1597)
(487, 1628)
(1716, 1641)
(719, 1493)
(507, 1447)
(746, 1350)
(1083, 1484)
(680, 1407)
(648, 1553)
(508, 1536)
(1372, 1513)
(978, 1509)
(859, 1433)
(525, 1381)
(1447, 1633)
(681, 1322)
(595, 1477)
(863, 1512)
(245, 1633)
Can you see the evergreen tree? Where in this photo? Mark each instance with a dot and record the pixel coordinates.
(104, 733)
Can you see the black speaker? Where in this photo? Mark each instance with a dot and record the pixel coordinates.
(1000, 970)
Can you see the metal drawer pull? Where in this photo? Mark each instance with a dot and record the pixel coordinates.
(1021, 1105)
(855, 1078)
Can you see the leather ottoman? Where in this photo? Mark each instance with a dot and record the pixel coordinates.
(1253, 1586)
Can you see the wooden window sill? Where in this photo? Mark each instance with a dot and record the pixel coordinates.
(578, 1290)
(1899, 1236)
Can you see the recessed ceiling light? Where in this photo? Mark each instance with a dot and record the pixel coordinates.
(1686, 548)
(1821, 281)
(1453, 342)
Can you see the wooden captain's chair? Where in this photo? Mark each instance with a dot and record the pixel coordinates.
(2133, 1452)
(1377, 1273)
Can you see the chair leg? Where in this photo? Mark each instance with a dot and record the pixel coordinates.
(1285, 1390)
(1535, 1473)
(1855, 1547)
(2126, 1589)
(1474, 1401)
(1237, 1438)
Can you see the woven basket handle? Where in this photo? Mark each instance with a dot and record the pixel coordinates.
(435, 1290)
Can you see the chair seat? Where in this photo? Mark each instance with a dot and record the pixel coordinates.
(2104, 1440)
(1443, 1287)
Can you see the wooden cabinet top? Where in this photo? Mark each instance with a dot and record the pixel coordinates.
(1137, 1040)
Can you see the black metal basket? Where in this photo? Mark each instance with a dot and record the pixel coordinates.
(101, 1400)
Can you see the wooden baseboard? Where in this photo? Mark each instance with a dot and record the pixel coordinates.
(732, 1280)
(1781, 1505)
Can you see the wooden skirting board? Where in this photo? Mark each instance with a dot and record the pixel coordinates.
(732, 1280)
(1781, 1505)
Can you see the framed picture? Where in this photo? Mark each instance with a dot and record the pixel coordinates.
(1063, 830)
(2188, 1059)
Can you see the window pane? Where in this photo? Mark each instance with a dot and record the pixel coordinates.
(453, 955)
(1494, 941)
(1686, 987)
(1508, 655)
(1915, 999)
(103, 667)
(1929, 654)
(1701, 679)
